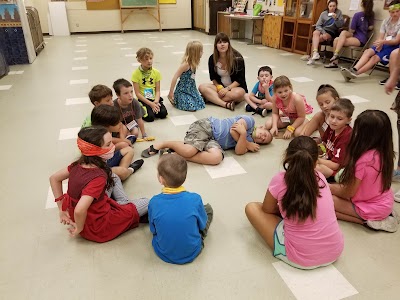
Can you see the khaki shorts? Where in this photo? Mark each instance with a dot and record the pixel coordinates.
(200, 136)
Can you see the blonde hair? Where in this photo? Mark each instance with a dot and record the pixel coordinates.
(231, 53)
(282, 81)
(143, 52)
(193, 54)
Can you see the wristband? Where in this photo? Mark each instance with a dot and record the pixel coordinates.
(290, 128)
(219, 87)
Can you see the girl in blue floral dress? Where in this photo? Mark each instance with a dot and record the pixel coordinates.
(186, 95)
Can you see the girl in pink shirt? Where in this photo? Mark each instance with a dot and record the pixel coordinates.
(364, 195)
(289, 109)
(297, 218)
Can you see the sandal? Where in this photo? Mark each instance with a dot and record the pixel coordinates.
(230, 105)
(331, 65)
(151, 151)
(166, 151)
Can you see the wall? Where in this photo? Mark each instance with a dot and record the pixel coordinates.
(173, 16)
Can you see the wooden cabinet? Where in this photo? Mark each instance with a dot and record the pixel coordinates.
(298, 20)
(215, 7)
(271, 31)
(199, 14)
(224, 24)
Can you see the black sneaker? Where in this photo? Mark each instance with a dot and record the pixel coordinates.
(382, 82)
(249, 108)
(136, 165)
(258, 111)
(397, 87)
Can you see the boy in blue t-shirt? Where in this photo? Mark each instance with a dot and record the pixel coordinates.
(206, 139)
(178, 219)
(258, 101)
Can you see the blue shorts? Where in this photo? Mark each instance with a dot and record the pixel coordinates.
(115, 160)
(384, 54)
(280, 250)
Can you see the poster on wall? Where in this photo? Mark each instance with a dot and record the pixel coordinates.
(167, 1)
(9, 15)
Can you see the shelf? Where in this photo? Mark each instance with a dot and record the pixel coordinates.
(303, 37)
(287, 34)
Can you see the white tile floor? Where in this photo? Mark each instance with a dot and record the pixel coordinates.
(39, 261)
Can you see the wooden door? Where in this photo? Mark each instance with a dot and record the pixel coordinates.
(199, 14)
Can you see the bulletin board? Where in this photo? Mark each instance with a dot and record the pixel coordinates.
(102, 4)
(167, 1)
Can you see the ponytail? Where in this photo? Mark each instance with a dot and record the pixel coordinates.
(300, 199)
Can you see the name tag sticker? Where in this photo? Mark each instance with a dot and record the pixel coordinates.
(132, 125)
(285, 119)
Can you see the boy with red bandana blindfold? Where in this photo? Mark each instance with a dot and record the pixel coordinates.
(86, 206)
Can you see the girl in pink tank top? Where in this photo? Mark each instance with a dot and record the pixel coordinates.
(289, 109)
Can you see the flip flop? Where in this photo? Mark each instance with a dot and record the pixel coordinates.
(146, 153)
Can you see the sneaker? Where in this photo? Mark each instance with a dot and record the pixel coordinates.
(331, 65)
(344, 74)
(334, 57)
(389, 224)
(132, 138)
(265, 112)
(258, 111)
(396, 175)
(316, 55)
(249, 108)
(136, 165)
(396, 216)
(353, 72)
(349, 73)
(397, 87)
(397, 197)
(310, 62)
(382, 82)
(305, 57)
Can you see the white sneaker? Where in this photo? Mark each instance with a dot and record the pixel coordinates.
(264, 112)
(316, 55)
(396, 216)
(310, 62)
(389, 224)
(397, 197)
(305, 57)
(396, 176)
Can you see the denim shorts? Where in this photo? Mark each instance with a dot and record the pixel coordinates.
(115, 160)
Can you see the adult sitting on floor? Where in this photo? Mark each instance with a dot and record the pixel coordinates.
(227, 73)
(206, 139)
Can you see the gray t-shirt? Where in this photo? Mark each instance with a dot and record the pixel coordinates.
(130, 113)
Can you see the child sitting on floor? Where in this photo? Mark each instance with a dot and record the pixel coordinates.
(98, 95)
(259, 100)
(326, 97)
(289, 109)
(146, 83)
(178, 219)
(363, 195)
(206, 139)
(121, 161)
(130, 110)
(86, 207)
(336, 137)
(297, 218)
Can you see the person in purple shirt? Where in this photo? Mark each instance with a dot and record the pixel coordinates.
(357, 35)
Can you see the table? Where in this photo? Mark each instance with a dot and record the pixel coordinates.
(257, 28)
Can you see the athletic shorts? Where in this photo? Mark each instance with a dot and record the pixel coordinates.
(384, 54)
(200, 136)
(280, 250)
(115, 160)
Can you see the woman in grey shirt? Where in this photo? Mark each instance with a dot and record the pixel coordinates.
(327, 28)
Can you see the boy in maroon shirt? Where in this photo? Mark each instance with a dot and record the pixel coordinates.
(336, 137)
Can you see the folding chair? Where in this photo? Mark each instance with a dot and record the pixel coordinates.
(361, 50)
